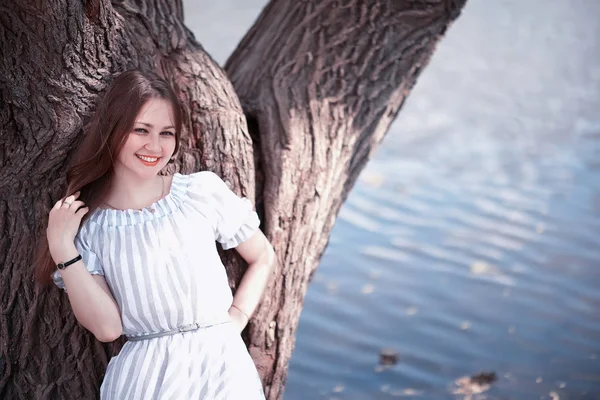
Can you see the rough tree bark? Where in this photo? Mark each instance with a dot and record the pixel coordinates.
(320, 82)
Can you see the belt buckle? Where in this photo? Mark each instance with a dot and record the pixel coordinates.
(188, 327)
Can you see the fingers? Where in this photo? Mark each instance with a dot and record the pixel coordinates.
(82, 211)
(76, 205)
(70, 199)
(69, 202)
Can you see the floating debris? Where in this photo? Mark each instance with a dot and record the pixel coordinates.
(475, 384)
(484, 378)
(338, 389)
(554, 396)
(388, 357)
(539, 380)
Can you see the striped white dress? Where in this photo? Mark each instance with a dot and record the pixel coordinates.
(162, 266)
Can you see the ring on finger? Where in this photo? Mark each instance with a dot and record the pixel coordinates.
(68, 200)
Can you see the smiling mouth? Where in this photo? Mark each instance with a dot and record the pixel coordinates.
(149, 161)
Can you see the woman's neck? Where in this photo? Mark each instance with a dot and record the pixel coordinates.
(127, 192)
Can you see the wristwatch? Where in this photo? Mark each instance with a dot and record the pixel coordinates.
(64, 265)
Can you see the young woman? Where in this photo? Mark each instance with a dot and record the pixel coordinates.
(136, 253)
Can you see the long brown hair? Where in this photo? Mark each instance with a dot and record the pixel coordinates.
(104, 137)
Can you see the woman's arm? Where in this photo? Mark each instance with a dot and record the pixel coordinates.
(260, 256)
(91, 300)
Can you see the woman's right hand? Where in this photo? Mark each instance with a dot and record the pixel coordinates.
(63, 223)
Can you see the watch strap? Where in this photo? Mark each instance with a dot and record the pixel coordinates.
(67, 263)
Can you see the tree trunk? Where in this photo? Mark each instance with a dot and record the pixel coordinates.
(320, 83)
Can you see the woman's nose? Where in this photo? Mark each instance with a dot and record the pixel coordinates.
(153, 143)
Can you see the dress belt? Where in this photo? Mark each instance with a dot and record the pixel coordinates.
(182, 329)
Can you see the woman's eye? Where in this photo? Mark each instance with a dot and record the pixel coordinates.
(140, 130)
(168, 133)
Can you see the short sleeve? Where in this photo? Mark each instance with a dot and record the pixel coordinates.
(89, 258)
(235, 220)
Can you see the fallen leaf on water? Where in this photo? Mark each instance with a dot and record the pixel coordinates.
(466, 387)
(475, 384)
(554, 396)
(484, 378)
(388, 357)
(539, 380)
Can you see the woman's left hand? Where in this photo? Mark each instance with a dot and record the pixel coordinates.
(238, 318)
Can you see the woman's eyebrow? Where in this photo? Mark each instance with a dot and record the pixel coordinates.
(152, 126)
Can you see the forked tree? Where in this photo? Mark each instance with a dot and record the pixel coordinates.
(290, 122)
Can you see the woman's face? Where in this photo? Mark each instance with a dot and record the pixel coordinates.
(151, 142)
